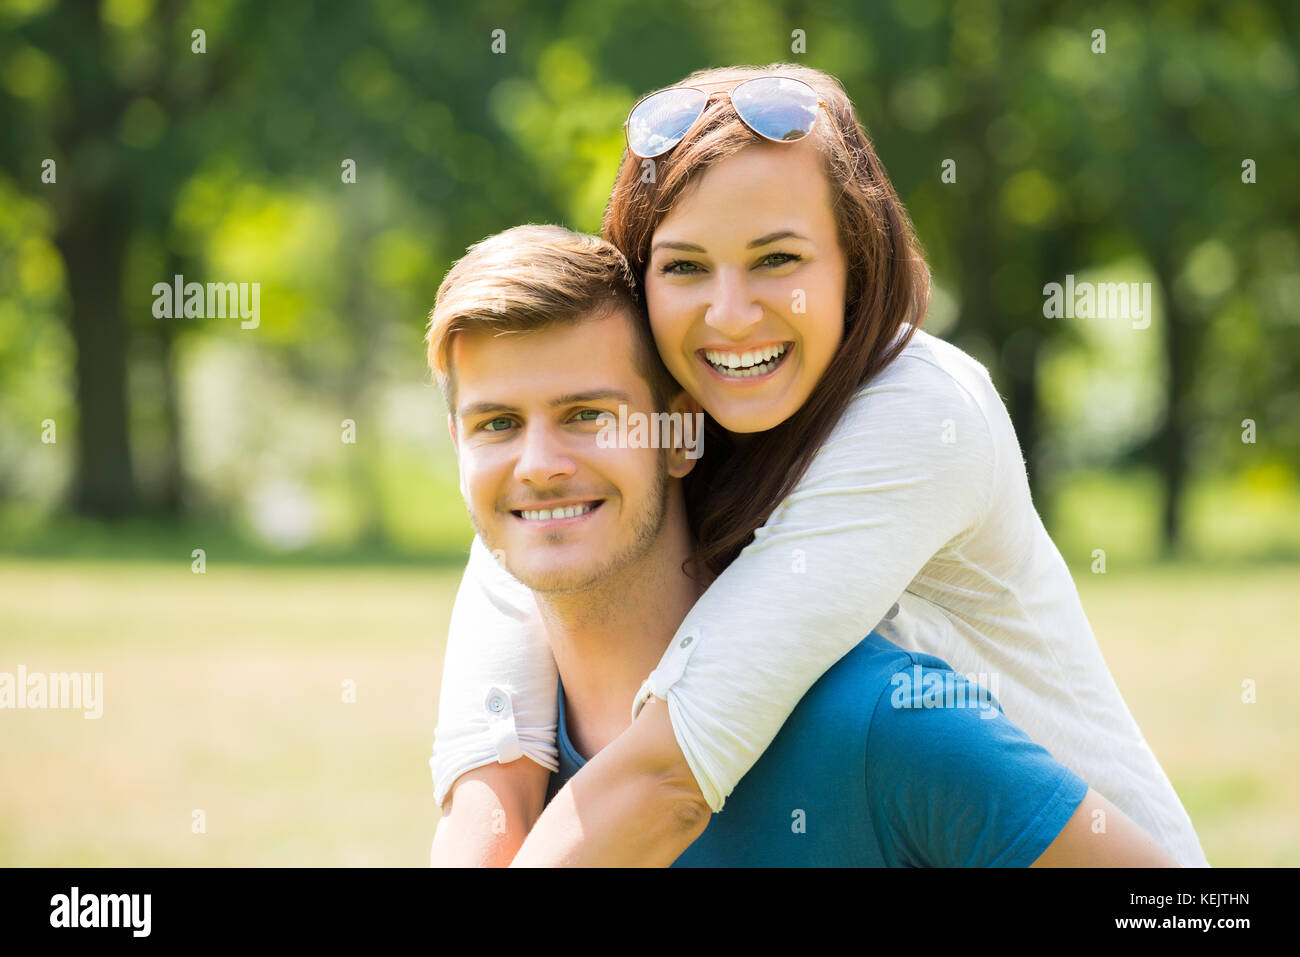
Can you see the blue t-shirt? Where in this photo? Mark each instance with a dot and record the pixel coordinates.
(891, 759)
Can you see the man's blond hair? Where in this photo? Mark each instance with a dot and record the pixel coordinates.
(530, 277)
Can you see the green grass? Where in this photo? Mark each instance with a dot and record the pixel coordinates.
(1180, 641)
(222, 692)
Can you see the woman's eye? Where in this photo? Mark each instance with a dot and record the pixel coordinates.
(679, 267)
(780, 259)
(499, 424)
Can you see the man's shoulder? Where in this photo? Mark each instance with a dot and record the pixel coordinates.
(875, 681)
(854, 686)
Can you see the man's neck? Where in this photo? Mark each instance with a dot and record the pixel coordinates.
(607, 639)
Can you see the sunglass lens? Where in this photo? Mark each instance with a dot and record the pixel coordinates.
(776, 107)
(659, 122)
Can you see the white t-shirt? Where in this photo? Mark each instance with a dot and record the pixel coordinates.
(919, 500)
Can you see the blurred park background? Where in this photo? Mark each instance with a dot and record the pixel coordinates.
(308, 457)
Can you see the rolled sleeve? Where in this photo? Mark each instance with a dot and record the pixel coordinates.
(499, 681)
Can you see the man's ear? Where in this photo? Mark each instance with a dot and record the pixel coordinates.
(682, 458)
(451, 428)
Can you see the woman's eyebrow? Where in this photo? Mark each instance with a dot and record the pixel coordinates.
(773, 237)
(686, 247)
(753, 244)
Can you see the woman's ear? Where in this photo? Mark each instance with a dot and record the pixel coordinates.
(688, 444)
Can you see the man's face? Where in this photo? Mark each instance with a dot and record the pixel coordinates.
(528, 410)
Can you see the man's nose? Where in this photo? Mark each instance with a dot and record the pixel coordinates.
(543, 458)
(733, 311)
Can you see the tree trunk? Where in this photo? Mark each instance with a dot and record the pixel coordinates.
(1022, 406)
(92, 248)
(171, 491)
(1171, 445)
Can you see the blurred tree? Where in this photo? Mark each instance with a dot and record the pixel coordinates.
(1197, 97)
(227, 162)
(105, 122)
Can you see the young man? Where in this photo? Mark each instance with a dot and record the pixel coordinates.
(889, 759)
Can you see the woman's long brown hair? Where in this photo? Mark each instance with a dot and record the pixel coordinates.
(735, 487)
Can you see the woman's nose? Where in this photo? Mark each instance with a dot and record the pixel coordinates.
(733, 311)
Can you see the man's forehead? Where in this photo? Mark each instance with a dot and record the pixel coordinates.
(557, 364)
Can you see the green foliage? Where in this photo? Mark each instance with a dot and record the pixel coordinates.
(227, 166)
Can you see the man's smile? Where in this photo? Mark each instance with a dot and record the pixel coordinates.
(559, 513)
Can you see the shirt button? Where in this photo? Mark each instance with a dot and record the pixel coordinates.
(496, 704)
(892, 612)
(685, 641)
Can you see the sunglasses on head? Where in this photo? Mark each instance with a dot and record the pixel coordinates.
(777, 108)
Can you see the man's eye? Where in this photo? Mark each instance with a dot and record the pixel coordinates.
(588, 415)
(499, 424)
(679, 267)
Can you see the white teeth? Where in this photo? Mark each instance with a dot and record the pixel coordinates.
(745, 364)
(542, 514)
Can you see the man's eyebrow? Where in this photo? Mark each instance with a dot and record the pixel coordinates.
(483, 408)
(594, 395)
(571, 398)
(760, 241)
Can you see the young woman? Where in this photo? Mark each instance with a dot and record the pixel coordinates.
(857, 473)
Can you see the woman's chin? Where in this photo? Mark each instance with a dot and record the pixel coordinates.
(748, 418)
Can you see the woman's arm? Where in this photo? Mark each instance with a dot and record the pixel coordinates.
(635, 804)
(906, 471)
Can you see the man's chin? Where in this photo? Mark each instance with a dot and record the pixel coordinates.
(555, 580)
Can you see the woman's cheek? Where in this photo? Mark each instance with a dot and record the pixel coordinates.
(668, 324)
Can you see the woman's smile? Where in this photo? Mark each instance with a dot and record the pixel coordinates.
(746, 367)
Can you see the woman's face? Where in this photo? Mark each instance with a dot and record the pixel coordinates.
(745, 285)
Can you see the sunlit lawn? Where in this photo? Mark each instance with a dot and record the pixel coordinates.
(1181, 643)
(223, 693)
